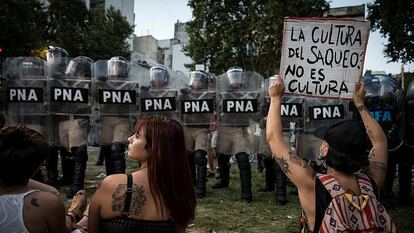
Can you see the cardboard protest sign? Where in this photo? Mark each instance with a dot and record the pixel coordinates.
(323, 57)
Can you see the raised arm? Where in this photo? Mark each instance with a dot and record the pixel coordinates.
(295, 168)
(378, 156)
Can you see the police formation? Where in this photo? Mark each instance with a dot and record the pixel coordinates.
(78, 102)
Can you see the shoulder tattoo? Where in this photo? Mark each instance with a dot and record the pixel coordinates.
(137, 201)
(34, 202)
(377, 166)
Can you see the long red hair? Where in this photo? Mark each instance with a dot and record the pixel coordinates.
(168, 170)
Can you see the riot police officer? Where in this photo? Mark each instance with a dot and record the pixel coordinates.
(197, 108)
(116, 87)
(239, 96)
(70, 94)
(384, 100)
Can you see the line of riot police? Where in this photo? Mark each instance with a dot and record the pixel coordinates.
(82, 102)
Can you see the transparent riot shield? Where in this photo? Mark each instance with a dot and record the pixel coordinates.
(319, 112)
(385, 100)
(197, 103)
(115, 88)
(159, 96)
(409, 115)
(239, 101)
(25, 81)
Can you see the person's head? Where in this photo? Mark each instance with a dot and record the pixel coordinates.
(159, 141)
(235, 76)
(343, 146)
(198, 80)
(23, 150)
(118, 67)
(159, 76)
(79, 67)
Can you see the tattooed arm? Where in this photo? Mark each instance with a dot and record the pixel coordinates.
(292, 165)
(378, 156)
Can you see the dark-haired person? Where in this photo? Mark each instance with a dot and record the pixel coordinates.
(342, 149)
(159, 197)
(27, 205)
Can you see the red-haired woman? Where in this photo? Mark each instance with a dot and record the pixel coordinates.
(157, 198)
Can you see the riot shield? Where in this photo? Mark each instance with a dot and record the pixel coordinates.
(25, 82)
(115, 87)
(409, 115)
(319, 112)
(197, 104)
(158, 98)
(384, 99)
(116, 95)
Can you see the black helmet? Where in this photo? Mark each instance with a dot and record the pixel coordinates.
(159, 76)
(198, 80)
(118, 67)
(79, 67)
(57, 58)
(235, 76)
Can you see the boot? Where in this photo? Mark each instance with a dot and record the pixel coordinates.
(117, 158)
(201, 161)
(224, 171)
(66, 161)
(245, 176)
(270, 175)
(260, 162)
(281, 196)
(404, 179)
(191, 164)
(100, 160)
(80, 157)
(387, 196)
(52, 166)
(106, 153)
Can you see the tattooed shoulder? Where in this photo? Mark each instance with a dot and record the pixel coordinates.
(137, 200)
(34, 202)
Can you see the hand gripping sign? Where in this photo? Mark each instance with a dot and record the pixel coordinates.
(323, 57)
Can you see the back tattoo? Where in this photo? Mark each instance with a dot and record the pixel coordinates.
(137, 201)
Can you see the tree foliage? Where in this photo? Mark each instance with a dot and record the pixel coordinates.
(394, 20)
(243, 32)
(68, 21)
(107, 33)
(23, 26)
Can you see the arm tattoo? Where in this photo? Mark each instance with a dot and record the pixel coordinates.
(371, 154)
(34, 202)
(377, 165)
(283, 164)
(369, 132)
(295, 159)
(362, 107)
(137, 201)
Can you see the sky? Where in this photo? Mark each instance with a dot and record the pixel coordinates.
(157, 18)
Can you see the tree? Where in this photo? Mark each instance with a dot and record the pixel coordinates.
(243, 32)
(67, 25)
(107, 34)
(22, 26)
(394, 19)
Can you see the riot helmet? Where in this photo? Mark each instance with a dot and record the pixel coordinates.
(57, 58)
(79, 67)
(235, 76)
(198, 80)
(159, 76)
(118, 67)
